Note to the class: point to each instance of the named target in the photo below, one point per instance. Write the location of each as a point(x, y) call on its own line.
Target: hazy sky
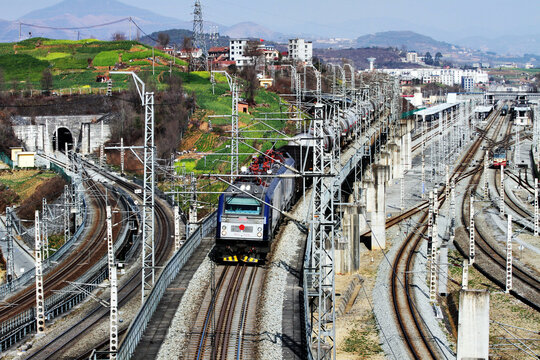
point(448, 19)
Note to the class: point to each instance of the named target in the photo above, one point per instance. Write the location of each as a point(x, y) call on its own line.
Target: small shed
point(266, 82)
point(243, 107)
point(26, 159)
point(14, 151)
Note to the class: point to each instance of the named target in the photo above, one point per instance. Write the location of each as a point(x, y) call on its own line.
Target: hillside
point(73, 64)
point(404, 39)
point(385, 57)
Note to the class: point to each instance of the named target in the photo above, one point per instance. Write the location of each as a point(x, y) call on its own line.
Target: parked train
point(250, 210)
point(499, 157)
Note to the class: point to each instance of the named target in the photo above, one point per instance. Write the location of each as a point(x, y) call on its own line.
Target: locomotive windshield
point(242, 205)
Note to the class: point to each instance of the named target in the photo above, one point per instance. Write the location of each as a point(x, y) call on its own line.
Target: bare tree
point(163, 39)
point(187, 47)
point(118, 36)
point(46, 80)
point(249, 74)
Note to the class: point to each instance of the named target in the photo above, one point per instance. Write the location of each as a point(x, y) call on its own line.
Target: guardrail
point(139, 323)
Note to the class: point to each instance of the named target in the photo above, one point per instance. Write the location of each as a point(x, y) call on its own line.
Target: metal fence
point(6, 159)
point(60, 171)
point(173, 267)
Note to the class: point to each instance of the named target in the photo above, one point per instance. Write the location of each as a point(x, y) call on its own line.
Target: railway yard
point(361, 240)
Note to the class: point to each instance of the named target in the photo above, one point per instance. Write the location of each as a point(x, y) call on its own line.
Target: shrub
point(50, 189)
point(8, 197)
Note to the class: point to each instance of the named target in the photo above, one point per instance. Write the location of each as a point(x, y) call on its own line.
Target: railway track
point(127, 291)
point(527, 284)
point(225, 325)
point(74, 265)
point(489, 253)
point(417, 337)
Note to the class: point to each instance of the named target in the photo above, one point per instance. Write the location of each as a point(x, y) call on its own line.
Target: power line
point(79, 27)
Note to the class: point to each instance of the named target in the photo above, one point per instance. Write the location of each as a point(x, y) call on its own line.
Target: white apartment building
point(301, 50)
point(237, 48)
point(444, 76)
point(412, 57)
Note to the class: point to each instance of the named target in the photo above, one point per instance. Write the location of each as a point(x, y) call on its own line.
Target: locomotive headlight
point(259, 229)
point(259, 234)
point(223, 233)
point(223, 227)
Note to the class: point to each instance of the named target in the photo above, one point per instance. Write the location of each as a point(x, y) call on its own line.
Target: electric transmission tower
point(199, 42)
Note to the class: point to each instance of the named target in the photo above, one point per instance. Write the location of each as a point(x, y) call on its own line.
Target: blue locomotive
point(249, 210)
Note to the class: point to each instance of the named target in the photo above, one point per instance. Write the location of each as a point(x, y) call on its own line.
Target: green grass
point(54, 56)
point(22, 67)
point(71, 62)
point(107, 58)
point(188, 164)
point(136, 55)
point(49, 42)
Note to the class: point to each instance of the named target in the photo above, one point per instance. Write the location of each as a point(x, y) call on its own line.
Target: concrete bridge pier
point(406, 143)
point(348, 252)
point(378, 217)
point(473, 325)
point(368, 185)
point(395, 153)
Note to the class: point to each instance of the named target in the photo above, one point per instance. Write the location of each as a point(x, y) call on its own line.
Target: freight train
point(251, 208)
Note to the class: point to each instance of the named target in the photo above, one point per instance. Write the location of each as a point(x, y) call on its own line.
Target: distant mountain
point(403, 39)
point(504, 45)
point(81, 13)
point(252, 30)
point(176, 36)
point(385, 57)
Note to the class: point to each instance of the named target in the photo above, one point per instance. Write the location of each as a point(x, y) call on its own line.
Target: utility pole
point(234, 129)
point(40, 296)
point(465, 275)
point(486, 167)
point(67, 212)
point(322, 266)
point(509, 255)
point(471, 230)
point(10, 263)
point(535, 206)
point(193, 204)
point(177, 239)
point(122, 154)
point(148, 260)
point(501, 203)
point(44, 228)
